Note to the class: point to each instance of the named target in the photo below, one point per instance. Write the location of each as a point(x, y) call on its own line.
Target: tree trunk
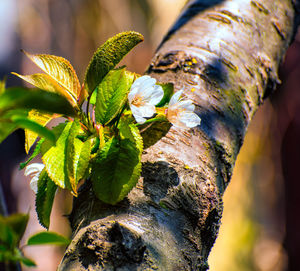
point(225, 55)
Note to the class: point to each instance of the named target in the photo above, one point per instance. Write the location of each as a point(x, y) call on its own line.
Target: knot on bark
point(110, 245)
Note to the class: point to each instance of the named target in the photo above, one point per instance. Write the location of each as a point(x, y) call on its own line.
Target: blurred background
point(261, 226)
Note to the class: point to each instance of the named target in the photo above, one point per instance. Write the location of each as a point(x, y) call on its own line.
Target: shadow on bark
point(158, 178)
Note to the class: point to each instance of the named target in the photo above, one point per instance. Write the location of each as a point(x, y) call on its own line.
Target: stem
point(87, 110)
point(3, 206)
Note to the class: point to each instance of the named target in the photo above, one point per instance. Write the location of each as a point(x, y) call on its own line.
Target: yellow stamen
point(138, 101)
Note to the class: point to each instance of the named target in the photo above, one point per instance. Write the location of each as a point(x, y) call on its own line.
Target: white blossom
point(34, 170)
point(143, 96)
point(181, 112)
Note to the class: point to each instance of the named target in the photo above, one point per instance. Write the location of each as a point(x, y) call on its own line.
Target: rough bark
point(225, 55)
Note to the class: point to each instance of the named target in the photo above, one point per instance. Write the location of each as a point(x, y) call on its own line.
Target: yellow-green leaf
point(46, 82)
point(59, 69)
point(72, 146)
point(108, 56)
point(82, 159)
point(77, 155)
point(42, 119)
point(55, 160)
point(35, 153)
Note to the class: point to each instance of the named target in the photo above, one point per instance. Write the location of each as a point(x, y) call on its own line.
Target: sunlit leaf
point(130, 131)
point(73, 146)
point(36, 152)
point(55, 160)
point(77, 155)
point(94, 94)
point(47, 238)
point(115, 170)
point(46, 82)
point(60, 70)
point(57, 130)
point(112, 95)
point(44, 198)
point(42, 119)
point(108, 56)
point(82, 159)
point(93, 97)
point(23, 98)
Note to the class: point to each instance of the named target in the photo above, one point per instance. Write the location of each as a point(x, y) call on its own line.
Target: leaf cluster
point(99, 139)
point(12, 229)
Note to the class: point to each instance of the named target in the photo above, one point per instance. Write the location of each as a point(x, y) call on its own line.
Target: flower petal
point(189, 119)
point(143, 82)
point(139, 119)
point(137, 114)
point(34, 184)
point(34, 168)
point(132, 93)
point(175, 98)
point(157, 95)
point(147, 110)
point(186, 105)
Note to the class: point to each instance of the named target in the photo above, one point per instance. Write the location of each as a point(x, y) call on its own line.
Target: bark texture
point(225, 55)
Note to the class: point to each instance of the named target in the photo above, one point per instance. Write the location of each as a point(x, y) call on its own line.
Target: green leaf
point(47, 238)
point(28, 262)
point(130, 131)
point(168, 92)
point(82, 159)
point(112, 95)
point(36, 151)
point(23, 98)
point(108, 56)
point(18, 223)
point(115, 170)
point(55, 160)
point(60, 70)
point(44, 198)
point(26, 123)
point(7, 236)
point(72, 148)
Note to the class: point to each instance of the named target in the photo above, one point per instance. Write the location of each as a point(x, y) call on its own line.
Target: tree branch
point(225, 55)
